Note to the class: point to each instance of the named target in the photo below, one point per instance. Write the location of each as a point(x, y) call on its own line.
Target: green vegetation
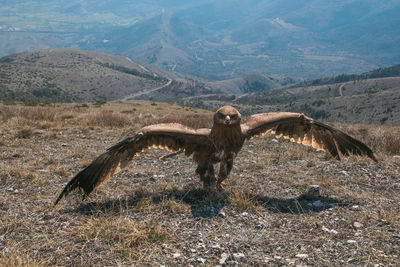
point(393, 71)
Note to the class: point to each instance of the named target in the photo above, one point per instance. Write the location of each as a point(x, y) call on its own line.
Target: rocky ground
point(156, 213)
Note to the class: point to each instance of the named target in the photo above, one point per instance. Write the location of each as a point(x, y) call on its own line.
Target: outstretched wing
point(170, 136)
point(305, 130)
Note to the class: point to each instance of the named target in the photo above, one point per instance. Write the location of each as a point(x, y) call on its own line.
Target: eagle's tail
point(93, 175)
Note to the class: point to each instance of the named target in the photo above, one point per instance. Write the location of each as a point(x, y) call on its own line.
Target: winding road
point(132, 96)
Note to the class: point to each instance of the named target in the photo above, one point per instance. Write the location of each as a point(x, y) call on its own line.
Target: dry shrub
point(38, 113)
point(7, 260)
point(120, 231)
point(388, 143)
point(173, 207)
point(108, 119)
point(22, 174)
point(385, 139)
point(25, 132)
point(244, 202)
point(195, 121)
point(29, 113)
point(7, 113)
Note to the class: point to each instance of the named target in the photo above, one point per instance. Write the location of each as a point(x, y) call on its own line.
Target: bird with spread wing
point(220, 144)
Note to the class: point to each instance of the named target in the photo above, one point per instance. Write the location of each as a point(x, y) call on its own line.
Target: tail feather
point(92, 176)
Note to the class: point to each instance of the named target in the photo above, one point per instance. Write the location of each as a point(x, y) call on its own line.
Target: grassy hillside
point(365, 100)
point(393, 71)
point(64, 75)
point(155, 212)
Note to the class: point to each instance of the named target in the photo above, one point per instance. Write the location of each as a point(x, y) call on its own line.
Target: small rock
point(302, 256)
point(358, 225)
point(275, 140)
point(64, 145)
point(244, 214)
point(224, 257)
point(332, 231)
point(176, 255)
point(201, 260)
point(350, 241)
point(351, 260)
point(192, 250)
point(355, 207)
point(238, 255)
point(314, 190)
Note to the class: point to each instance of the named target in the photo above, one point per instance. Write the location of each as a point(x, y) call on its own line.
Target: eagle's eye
point(234, 117)
point(220, 116)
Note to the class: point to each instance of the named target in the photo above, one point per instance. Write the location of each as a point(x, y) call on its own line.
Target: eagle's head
point(227, 116)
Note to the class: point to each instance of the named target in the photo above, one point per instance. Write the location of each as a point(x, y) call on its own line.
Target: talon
point(221, 185)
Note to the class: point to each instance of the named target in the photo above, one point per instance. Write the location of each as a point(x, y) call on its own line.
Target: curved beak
point(227, 120)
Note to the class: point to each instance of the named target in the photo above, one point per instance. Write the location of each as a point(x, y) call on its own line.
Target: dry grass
point(107, 118)
point(155, 212)
point(17, 261)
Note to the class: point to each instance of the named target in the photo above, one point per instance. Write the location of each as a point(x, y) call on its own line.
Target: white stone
point(238, 255)
point(201, 260)
point(302, 256)
point(332, 231)
point(358, 225)
point(224, 257)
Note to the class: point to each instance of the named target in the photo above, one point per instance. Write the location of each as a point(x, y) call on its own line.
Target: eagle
point(218, 145)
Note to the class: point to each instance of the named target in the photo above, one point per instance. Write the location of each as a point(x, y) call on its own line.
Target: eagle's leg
point(207, 176)
point(225, 168)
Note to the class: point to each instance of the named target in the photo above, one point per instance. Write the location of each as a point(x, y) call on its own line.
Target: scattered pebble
point(302, 256)
point(350, 241)
point(238, 255)
point(358, 225)
point(201, 260)
point(351, 260)
point(224, 257)
point(332, 231)
point(176, 255)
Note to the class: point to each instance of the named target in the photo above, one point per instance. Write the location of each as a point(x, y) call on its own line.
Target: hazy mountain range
point(217, 39)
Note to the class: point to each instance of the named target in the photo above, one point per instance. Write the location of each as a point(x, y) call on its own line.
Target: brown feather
point(305, 130)
point(219, 144)
point(173, 137)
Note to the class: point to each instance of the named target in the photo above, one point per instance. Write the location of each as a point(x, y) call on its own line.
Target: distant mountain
point(252, 83)
point(215, 39)
point(75, 76)
point(393, 71)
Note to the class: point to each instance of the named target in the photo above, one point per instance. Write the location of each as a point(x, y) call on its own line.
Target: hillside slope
point(75, 76)
point(369, 100)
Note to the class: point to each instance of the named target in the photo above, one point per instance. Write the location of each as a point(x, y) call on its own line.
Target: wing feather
point(302, 129)
point(170, 136)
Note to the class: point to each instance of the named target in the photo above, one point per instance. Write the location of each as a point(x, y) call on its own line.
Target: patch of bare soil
point(155, 212)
